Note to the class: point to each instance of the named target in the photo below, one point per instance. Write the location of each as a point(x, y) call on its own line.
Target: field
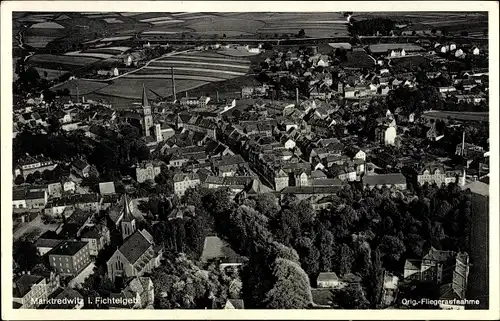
point(454, 23)
point(192, 70)
point(242, 25)
point(60, 61)
point(130, 88)
point(460, 116)
point(85, 87)
point(358, 59)
point(205, 65)
point(51, 73)
point(40, 37)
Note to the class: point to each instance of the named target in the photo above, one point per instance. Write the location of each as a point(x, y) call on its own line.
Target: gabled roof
point(385, 179)
point(235, 304)
point(127, 212)
point(23, 285)
point(136, 245)
point(327, 276)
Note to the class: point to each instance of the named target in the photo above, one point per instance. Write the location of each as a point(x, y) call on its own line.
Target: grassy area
point(227, 89)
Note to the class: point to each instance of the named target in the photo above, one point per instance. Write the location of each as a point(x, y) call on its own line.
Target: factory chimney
point(296, 97)
point(173, 84)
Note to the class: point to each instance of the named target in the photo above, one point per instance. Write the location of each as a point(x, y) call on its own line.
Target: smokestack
point(297, 97)
point(173, 84)
point(217, 96)
point(186, 94)
point(77, 94)
point(463, 143)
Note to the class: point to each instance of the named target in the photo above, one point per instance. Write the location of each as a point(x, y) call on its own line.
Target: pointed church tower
point(148, 118)
point(128, 221)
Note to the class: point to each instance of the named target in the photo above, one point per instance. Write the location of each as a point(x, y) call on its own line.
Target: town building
point(30, 291)
point(396, 180)
point(137, 255)
point(147, 171)
point(184, 181)
point(70, 257)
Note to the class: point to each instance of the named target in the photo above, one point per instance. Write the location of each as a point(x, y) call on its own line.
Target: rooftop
point(216, 248)
point(68, 248)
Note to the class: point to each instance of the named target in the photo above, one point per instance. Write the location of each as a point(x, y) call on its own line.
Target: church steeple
point(145, 102)
point(147, 121)
point(128, 220)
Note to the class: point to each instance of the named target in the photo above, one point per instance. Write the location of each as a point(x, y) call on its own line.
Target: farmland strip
point(167, 76)
point(201, 63)
point(201, 70)
point(213, 58)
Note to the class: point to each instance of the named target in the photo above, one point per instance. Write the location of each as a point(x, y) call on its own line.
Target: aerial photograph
point(250, 160)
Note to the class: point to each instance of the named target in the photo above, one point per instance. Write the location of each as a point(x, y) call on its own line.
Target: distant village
point(309, 131)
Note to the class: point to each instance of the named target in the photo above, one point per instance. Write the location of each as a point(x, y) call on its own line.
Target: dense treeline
point(363, 233)
point(370, 27)
point(113, 152)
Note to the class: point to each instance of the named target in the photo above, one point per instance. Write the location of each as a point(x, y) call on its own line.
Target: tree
point(392, 247)
point(346, 259)
point(25, 254)
point(19, 180)
point(309, 255)
point(267, 204)
point(352, 297)
point(291, 289)
point(376, 279)
point(326, 250)
point(301, 33)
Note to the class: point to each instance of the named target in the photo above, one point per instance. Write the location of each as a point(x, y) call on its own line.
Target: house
point(433, 265)
point(83, 169)
point(184, 181)
point(107, 188)
point(437, 174)
point(329, 280)
point(19, 198)
point(396, 180)
point(67, 186)
point(29, 165)
point(137, 255)
point(138, 294)
point(86, 202)
point(30, 291)
point(305, 192)
point(218, 250)
point(475, 51)
point(355, 153)
point(68, 299)
point(70, 257)
point(234, 304)
point(194, 102)
point(396, 53)
point(45, 245)
point(147, 171)
point(36, 199)
point(386, 134)
point(97, 236)
point(347, 173)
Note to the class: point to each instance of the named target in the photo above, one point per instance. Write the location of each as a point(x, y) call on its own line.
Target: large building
point(184, 181)
point(70, 257)
point(137, 255)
